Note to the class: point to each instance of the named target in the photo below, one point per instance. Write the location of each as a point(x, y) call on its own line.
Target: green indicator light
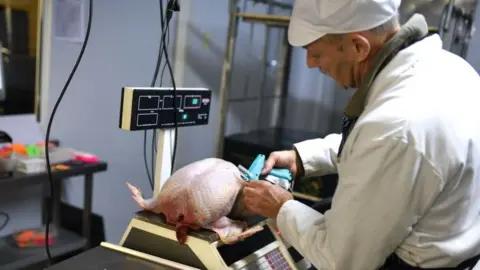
point(184, 117)
point(195, 101)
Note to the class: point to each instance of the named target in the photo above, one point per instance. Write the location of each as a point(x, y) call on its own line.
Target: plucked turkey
point(204, 194)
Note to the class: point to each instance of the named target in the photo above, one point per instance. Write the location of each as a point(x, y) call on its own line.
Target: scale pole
point(163, 163)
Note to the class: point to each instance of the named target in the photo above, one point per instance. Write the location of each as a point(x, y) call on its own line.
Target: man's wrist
point(299, 164)
point(284, 201)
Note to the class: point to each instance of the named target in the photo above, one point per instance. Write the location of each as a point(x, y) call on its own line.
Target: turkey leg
point(231, 231)
point(147, 204)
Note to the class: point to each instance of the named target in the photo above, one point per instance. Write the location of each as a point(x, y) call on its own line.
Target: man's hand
point(283, 159)
point(264, 198)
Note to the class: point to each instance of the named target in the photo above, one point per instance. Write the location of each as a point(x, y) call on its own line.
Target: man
point(408, 159)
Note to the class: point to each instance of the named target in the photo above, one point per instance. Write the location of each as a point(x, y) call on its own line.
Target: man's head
point(341, 36)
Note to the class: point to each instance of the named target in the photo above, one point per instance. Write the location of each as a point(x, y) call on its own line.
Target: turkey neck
point(239, 210)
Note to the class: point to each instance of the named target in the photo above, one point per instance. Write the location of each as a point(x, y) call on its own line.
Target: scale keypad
point(274, 260)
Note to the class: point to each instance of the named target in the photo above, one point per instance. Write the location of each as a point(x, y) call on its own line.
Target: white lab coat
point(409, 173)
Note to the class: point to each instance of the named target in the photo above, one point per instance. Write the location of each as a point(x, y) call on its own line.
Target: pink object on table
point(87, 158)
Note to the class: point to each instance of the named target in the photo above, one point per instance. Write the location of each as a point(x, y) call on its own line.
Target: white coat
point(409, 173)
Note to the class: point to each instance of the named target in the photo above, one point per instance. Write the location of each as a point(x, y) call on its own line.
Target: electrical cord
point(151, 177)
point(161, 77)
point(145, 158)
point(171, 7)
point(160, 48)
point(47, 139)
point(165, 65)
point(154, 135)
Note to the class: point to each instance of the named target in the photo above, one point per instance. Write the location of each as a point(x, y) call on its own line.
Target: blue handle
point(281, 173)
point(256, 168)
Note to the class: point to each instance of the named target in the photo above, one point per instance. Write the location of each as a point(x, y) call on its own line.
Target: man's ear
point(360, 47)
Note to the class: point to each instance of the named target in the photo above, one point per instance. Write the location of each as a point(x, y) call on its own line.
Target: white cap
point(312, 19)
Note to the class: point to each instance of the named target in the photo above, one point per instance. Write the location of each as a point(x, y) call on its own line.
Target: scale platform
point(159, 220)
point(150, 234)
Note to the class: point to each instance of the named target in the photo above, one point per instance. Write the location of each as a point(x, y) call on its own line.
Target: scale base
point(150, 234)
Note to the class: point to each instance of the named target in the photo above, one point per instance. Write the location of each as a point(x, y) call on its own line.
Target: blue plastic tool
point(278, 176)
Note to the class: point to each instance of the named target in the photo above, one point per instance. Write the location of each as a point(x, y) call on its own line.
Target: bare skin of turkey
point(204, 194)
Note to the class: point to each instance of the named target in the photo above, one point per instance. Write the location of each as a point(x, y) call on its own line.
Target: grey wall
point(122, 51)
point(203, 58)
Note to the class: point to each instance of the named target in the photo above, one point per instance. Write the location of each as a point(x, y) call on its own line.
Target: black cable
point(161, 77)
point(47, 139)
point(165, 65)
point(162, 22)
point(145, 158)
point(161, 81)
point(5, 222)
point(171, 7)
point(154, 138)
point(160, 53)
point(160, 48)
point(151, 178)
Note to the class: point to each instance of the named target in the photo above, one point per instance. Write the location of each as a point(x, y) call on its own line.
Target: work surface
point(101, 258)
point(18, 179)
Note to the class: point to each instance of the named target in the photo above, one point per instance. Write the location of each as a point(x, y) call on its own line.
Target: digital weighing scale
point(150, 234)
point(149, 242)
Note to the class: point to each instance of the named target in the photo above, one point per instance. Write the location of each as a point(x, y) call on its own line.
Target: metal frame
point(280, 89)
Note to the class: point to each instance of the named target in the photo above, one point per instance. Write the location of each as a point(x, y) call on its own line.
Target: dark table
point(101, 258)
point(12, 257)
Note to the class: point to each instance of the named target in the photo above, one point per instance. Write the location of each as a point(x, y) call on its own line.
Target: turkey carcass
point(204, 194)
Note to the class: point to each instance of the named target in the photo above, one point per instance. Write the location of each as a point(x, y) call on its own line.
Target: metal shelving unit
point(13, 257)
point(270, 21)
point(452, 20)
point(266, 134)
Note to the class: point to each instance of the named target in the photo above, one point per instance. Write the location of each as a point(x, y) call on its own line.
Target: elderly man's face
point(339, 57)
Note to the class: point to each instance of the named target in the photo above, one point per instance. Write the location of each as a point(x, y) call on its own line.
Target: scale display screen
point(152, 108)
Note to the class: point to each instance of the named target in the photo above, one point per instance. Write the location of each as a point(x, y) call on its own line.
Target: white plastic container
point(58, 155)
point(30, 165)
